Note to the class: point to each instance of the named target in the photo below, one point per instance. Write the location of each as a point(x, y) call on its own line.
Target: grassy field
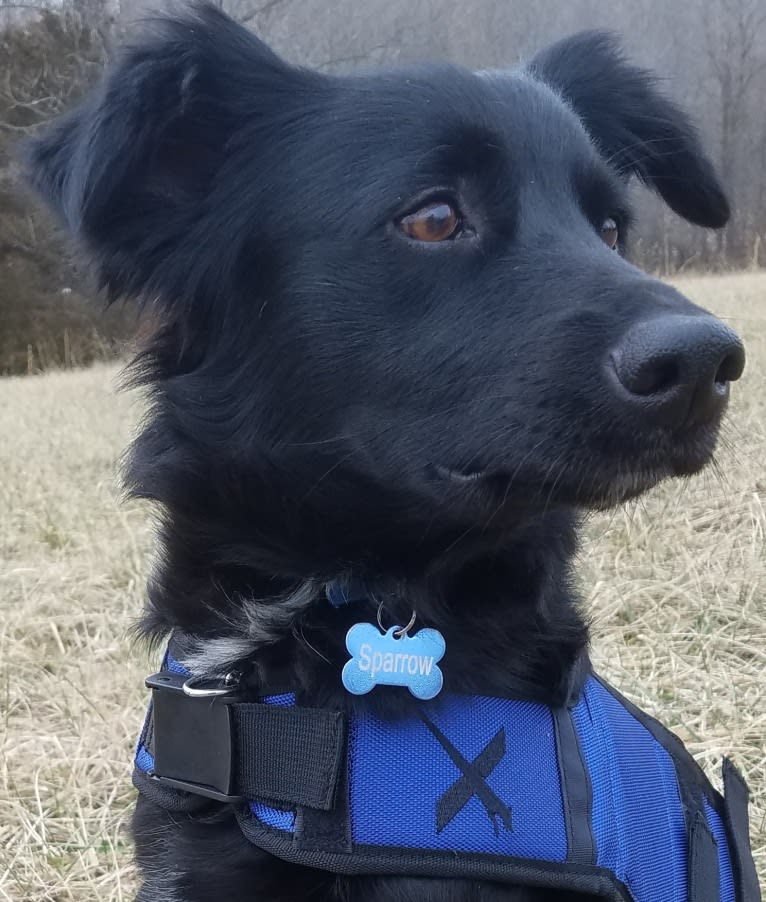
point(676, 585)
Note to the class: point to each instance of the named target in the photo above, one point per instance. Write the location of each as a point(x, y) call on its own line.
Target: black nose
point(675, 370)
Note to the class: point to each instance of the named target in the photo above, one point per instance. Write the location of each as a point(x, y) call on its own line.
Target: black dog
point(396, 343)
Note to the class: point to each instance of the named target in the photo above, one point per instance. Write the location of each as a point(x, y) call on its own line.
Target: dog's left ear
point(637, 129)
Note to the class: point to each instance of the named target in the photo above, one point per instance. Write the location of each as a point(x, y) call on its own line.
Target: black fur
point(319, 381)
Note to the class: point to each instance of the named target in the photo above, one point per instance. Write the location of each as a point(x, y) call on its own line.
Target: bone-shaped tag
point(381, 658)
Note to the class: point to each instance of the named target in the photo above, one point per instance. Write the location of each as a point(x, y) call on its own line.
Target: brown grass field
point(676, 584)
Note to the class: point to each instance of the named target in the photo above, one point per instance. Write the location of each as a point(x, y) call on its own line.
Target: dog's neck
point(506, 610)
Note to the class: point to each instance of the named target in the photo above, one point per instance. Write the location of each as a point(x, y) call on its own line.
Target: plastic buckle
point(192, 737)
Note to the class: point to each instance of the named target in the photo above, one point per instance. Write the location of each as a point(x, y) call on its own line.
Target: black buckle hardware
point(192, 737)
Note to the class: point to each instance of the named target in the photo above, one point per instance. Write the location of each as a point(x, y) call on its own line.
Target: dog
point(396, 352)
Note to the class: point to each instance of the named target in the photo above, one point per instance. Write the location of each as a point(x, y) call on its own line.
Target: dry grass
point(677, 584)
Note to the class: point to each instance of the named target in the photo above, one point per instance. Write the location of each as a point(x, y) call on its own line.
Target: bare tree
point(54, 56)
point(735, 42)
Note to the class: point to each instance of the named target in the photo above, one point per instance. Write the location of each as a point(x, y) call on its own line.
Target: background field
point(676, 584)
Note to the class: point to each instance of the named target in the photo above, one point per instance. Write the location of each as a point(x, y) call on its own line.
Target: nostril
point(646, 375)
point(655, 376)
point(720, 377)
point(731, 367)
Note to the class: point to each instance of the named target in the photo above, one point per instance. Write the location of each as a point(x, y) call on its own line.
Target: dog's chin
point(596, 484)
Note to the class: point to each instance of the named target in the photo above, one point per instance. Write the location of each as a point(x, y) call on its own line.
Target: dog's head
point(394, 295)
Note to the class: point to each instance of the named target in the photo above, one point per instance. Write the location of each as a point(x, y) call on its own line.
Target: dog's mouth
point(594, 490)
point(460, 477)
point(590, 482)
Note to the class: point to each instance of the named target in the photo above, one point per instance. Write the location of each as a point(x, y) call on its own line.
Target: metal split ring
point(230, 682)
point(402, 631)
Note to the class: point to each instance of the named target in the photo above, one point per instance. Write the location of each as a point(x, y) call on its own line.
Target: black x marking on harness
point(473, 782)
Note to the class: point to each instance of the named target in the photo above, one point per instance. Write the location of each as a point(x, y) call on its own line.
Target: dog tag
point(383, 659)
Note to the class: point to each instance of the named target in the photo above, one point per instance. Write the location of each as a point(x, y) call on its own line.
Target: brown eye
point(610, 233)
point(435, 222)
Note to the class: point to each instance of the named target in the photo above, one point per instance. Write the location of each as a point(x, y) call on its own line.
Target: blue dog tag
point(381, 658)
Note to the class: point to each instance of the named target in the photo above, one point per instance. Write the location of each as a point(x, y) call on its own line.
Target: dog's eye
point(437, 221)
point(610, 232)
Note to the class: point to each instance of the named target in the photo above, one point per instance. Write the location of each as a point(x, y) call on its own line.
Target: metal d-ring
point(402, 631)
point(230, 684)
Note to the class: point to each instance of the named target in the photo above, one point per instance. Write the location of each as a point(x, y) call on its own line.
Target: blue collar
point(345, 591)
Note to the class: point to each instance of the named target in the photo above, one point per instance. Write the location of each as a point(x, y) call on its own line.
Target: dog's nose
point(675, 370)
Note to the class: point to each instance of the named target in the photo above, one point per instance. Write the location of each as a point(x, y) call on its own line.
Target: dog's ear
point(637, 129)
point(130, 171)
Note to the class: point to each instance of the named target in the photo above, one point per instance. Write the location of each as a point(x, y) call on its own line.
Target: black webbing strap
point(288, 755)
point(216, 747)
point(704, 877)
point(736, 798)
point(576, 789)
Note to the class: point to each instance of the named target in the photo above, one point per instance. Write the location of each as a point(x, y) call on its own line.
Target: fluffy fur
point(331, 399)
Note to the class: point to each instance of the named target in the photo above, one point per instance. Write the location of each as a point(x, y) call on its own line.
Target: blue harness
point(596, 797)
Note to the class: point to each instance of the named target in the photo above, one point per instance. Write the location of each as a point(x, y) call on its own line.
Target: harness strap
point(704, 876)
point(220, 749)
point(736, 797)
point(288, 755)
point(576, 788)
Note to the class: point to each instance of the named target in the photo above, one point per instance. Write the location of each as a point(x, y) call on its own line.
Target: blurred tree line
point(711, 55)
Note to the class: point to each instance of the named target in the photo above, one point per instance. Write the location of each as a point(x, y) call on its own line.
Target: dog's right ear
point(130, 170)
